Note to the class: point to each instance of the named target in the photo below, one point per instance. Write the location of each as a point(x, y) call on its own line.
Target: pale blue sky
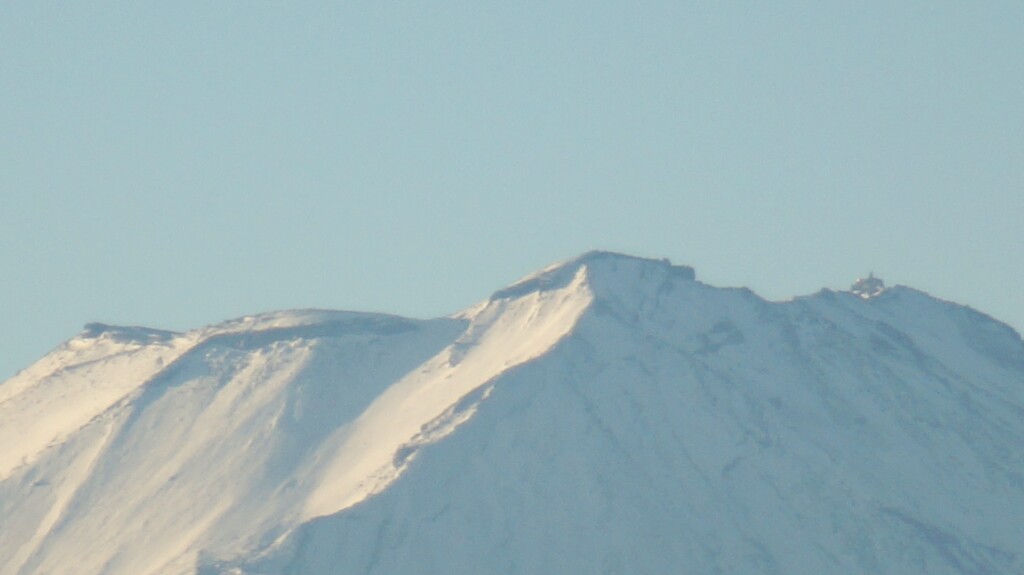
point(176, 164)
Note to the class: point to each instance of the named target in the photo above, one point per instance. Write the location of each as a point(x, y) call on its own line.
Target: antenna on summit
point(868, 287)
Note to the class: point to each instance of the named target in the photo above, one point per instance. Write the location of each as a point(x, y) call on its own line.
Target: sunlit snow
point(607, 414)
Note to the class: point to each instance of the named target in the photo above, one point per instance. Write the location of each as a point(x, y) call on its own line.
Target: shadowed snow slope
point(606, 415)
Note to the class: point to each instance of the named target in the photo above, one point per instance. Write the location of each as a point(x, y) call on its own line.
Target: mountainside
point(608, 414)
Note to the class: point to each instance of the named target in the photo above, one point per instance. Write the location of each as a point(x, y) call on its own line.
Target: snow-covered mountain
point(608, 414)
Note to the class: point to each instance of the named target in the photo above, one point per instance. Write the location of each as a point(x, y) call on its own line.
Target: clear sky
point(175, 164)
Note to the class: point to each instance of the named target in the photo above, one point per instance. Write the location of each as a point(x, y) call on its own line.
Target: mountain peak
point(841, 435)
point(604, 270)
point(125, 334)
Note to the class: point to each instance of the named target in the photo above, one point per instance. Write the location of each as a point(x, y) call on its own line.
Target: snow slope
point(608, 414)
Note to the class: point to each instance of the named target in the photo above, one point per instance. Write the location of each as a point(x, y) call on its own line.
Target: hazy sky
point(175, 164)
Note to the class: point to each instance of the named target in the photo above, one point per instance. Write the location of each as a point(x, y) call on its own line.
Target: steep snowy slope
point(606, 415)
point(76, 382)
point(217, 447)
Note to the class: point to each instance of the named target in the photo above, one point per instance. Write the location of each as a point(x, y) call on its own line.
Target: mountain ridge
point(696, 424)
point(547, 278)
point(932, 543)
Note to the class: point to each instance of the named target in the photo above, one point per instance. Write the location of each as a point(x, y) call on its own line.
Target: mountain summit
point(608, 414)
point(604, 270)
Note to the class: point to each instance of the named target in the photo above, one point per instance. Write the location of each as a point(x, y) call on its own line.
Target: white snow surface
point(608, 414)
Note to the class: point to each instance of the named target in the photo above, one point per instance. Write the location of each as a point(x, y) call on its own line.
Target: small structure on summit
point(868, 287)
